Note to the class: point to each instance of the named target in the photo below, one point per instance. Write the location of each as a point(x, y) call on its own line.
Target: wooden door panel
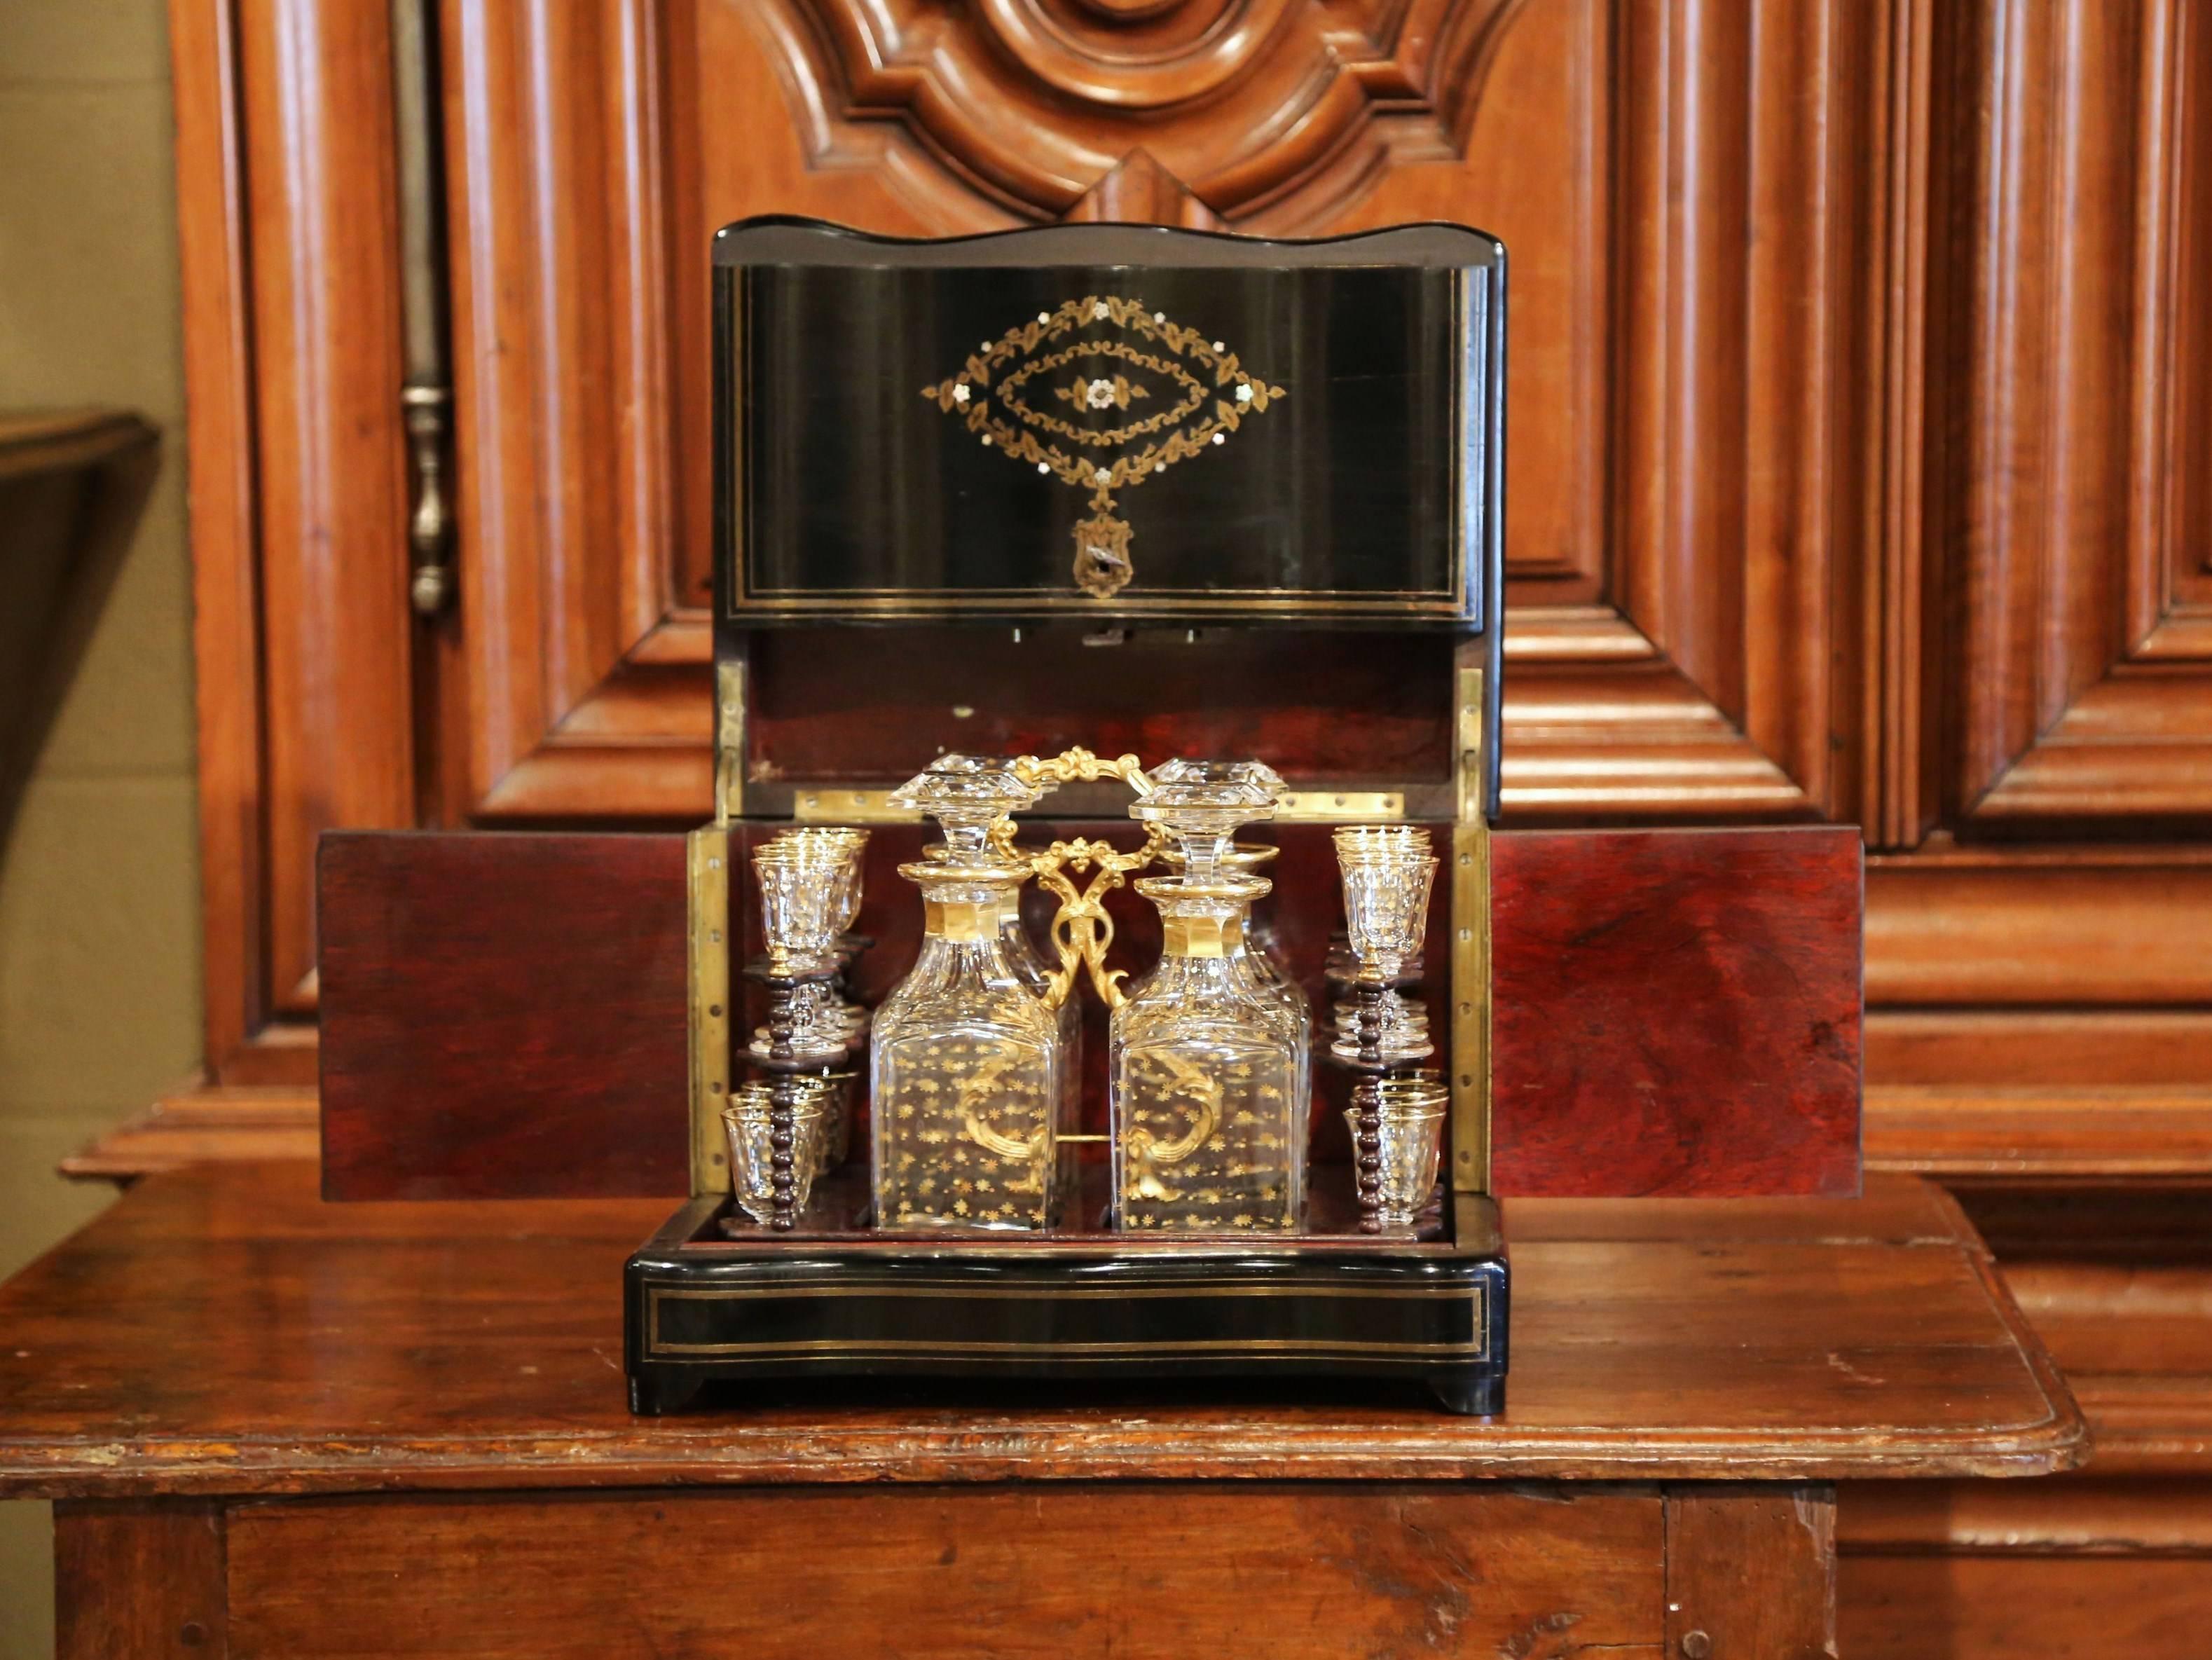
point(2078, 493)
point(1689, 400)
point(304, 640)
point(332, 474)
point(560, 282)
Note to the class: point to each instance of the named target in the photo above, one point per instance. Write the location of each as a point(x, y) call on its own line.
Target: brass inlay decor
point(707, 854)
point(1164, 396)
point(1469, 1076)
point(1475, 1297)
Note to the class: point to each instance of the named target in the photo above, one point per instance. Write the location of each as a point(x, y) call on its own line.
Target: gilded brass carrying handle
point(1079, 764)
point(1081, 930)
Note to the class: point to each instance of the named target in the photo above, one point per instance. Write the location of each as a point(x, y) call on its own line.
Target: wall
point(100, 992)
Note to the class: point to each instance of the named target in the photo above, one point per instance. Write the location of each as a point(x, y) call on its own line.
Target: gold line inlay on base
point(1475, 1348)
point(954, 1289)
point(1284, 1348)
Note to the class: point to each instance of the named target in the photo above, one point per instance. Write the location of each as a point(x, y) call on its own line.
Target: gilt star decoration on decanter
point(966, 1059)
point(1208, 1058)
point(1035, 973)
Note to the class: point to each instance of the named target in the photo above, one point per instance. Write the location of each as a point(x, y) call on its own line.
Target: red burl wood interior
point(1676, 1011)
point(504, 1015)
point(858, 706)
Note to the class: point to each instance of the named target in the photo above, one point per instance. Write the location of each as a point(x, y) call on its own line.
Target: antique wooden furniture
point(71, 484)
point(305, 1429)
point(1861, 481)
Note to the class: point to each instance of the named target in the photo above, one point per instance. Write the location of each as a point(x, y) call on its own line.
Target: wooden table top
point(223, 1331)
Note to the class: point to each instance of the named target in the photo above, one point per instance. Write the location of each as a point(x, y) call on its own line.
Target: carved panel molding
point(1692, 404)
point(1285, 108)
point(2076, 496)
point(1718, 664)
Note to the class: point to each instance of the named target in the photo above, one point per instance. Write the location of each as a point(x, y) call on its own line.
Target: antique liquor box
point(1102, 963)
point(1086, 492)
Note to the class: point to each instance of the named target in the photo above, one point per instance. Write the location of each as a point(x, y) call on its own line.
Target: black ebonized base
point(706, 1304)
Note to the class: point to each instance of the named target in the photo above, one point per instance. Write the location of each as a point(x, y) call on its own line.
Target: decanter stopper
point(966, 795)
point(1202, 804)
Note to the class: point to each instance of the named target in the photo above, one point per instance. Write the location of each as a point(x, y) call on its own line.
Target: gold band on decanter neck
point(964, 920)
point(1200, 936)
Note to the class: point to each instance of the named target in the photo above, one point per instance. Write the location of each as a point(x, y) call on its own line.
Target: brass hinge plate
point(840, 806)
point(1340, 807)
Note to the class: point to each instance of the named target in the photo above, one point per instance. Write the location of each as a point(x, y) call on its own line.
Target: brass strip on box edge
point(707, 896)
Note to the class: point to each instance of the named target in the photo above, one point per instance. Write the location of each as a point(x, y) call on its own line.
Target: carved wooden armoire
point(1861, 472)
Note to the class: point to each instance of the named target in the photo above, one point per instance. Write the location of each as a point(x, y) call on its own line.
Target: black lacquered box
point(1116, 489)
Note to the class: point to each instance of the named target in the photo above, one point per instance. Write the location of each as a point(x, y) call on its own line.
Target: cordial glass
point(749, 1121)
point(850, 845)
point(801, 904)
point(1386, 902)
point(1409, 1114)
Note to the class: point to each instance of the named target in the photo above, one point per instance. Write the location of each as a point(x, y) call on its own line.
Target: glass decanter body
point(966, 1069)
point(1253, 949)
point(1028, 962)
point(1207, 1077)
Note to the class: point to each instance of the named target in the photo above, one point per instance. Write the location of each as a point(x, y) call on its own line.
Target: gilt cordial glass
point(804, 883)
point(825, 1021)
point(1388, 871)
point(749, 1121)
point(1407, 1134)
point(801, 889)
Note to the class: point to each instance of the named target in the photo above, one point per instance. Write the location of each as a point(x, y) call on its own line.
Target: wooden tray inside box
point(712, 1303)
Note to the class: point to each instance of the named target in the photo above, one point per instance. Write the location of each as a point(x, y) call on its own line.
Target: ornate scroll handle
point(1082, 931)
point(1147, 1152)
point(1079, 763)
point(1030, 1150)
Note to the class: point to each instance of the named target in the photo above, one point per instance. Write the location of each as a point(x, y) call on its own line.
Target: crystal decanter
point(1036, 974)
point(965, 1060)
point(1208, 1059)
point(1257, 950)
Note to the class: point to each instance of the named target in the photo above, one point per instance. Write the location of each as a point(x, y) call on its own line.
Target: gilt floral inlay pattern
point(1165, 392)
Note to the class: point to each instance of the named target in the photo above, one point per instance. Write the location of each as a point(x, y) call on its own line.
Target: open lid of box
point(1242, 460)
point(1119, 422)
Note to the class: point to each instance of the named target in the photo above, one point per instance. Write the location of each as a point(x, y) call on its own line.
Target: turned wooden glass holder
point(783, 1063)
point(1366, 1149)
